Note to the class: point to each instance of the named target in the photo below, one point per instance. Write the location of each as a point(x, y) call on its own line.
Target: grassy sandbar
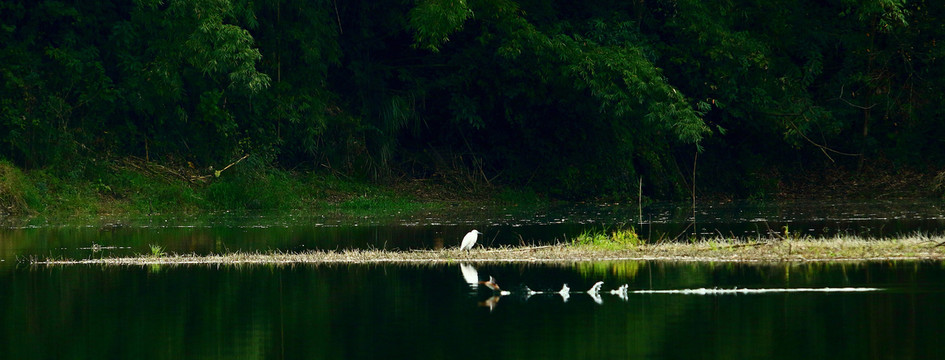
point(915, 247)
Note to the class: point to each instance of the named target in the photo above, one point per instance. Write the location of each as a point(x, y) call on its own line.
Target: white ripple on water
point(735, 291)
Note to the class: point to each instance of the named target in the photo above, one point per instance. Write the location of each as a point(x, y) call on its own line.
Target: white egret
point(469, 240)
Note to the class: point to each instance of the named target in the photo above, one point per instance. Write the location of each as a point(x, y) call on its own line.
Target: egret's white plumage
point(469, 240)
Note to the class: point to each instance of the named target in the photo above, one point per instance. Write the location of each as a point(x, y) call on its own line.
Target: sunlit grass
point(157, 250)
point(609, 240)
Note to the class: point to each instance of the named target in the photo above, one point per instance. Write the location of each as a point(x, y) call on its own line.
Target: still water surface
point(366, 312)
point(230, 232)
point(671, 310)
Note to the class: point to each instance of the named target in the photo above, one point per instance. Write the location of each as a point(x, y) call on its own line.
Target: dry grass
point(917, 247)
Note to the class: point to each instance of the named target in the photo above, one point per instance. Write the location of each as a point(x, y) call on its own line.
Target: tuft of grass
point(613, 240)
point(157, 251)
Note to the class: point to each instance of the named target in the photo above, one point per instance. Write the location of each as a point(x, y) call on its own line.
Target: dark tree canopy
point(574, 98)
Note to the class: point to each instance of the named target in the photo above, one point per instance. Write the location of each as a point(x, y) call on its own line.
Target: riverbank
point(133, 187)
point(915, 247)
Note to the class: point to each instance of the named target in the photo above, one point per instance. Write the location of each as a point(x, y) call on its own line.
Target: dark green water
point(24, 238)
point(365, 312)
point(430, 311)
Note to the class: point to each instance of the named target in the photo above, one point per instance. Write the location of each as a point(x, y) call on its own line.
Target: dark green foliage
point(569, 98)
point(434, 20)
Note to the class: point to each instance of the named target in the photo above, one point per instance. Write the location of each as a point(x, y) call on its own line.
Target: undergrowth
point(132, 188)
point(17, 192)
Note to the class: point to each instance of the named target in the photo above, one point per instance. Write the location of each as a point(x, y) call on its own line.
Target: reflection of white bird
point(622, 289)
point(621, 292)
point(529, 292)
point(594, 292)
point(469, 240)
point(470, 275)
point(565, 293)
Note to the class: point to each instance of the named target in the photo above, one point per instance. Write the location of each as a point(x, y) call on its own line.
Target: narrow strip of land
point(718, 250)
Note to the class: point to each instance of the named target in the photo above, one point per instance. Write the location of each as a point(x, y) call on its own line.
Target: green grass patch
point(134, 187)
point(357, 198)
point(379, 203)
point(18, 194)
point(272, 190)
point(609, 240)
point(157, 250)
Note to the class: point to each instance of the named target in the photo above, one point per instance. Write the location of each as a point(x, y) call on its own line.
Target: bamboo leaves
point(434, 20)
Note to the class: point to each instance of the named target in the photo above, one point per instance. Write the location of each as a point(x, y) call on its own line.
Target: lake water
point(502, 226)
point(366, 312)
point(670, 310)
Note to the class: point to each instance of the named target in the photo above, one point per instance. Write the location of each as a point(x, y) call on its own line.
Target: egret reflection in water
point(621, 292)
point(594, 292)
point(471, 276)
point(565, 292)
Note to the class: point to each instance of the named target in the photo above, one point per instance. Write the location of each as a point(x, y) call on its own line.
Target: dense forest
point(576, 99)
